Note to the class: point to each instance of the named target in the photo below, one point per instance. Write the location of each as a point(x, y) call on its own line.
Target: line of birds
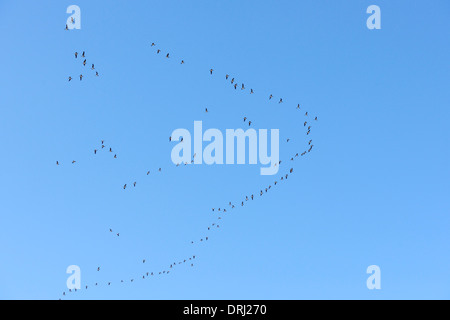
point(95, 152)
point(83, 55)
point(143, 276)
point(233, 82)
point(231, 205)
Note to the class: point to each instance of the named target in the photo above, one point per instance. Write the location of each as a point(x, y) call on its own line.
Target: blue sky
point(374, 190)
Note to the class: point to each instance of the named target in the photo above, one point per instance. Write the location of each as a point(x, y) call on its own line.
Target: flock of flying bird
point(220, 211)
point(83, 56)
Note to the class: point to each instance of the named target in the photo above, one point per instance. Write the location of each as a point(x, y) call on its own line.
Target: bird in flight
point(211, 71)
point(76, 55)
point(124, 186)
point(70, 78)
point(153, 44)
point(167, 56)
point(270, 97)
point(81, 77)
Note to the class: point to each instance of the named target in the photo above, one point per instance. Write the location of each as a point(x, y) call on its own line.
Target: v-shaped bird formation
point(220, 213)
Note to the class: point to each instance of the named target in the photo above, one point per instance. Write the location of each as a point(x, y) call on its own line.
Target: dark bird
point(70, 78)
point(96, 73)
point(76, 55)
point(95, 151)
point(226, 77)
point(182, 61)
point(84, 62)
point(281, 100)
point(153, 44)
point(57, 163)
point(251, 91)
point(167, 56)
point(81, 77)
point(125, 186)
point(82, 55)
point(92, 68)
point(211, 71)
point(270, 97)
